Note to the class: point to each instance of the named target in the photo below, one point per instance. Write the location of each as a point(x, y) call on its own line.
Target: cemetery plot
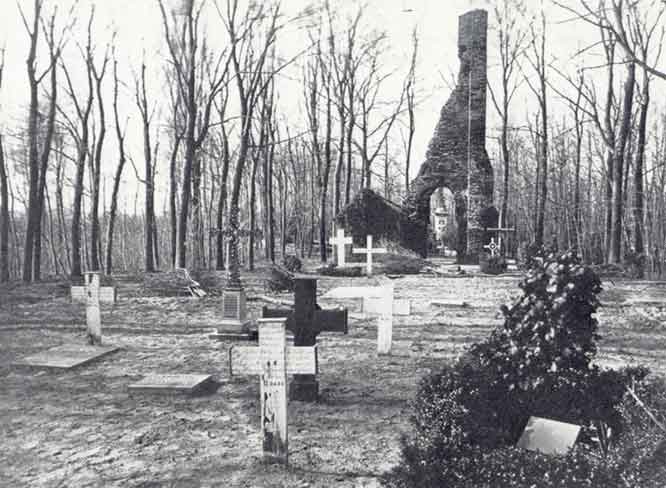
point(85, 430)
point(188, 384)
point(67, 356)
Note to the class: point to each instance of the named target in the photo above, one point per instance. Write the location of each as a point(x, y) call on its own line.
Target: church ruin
point(456, 159)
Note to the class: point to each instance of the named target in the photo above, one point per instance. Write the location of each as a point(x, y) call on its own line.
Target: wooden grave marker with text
point(306, 321)
point(273, 360)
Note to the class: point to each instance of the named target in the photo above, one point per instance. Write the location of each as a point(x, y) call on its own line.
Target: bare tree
point(199, 79)
point(537, 59)
point(4, 198)
point(80, 133)
point(120, 136)
point(410, 96)
point(511, 38)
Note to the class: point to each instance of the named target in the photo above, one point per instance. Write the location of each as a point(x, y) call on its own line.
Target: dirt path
point(82, 428)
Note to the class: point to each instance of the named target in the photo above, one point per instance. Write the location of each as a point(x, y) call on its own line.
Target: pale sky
point(139, 26)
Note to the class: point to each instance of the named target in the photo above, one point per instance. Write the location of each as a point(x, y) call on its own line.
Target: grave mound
point(469, 417)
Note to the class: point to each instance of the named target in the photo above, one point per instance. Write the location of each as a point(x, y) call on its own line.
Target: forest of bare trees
point(578, 145)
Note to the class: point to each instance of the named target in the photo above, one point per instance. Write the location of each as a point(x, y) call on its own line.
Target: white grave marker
point(273, 360)
point(548, 436)
point(376, 300)
point(340, 241)
point(369, 251)
point(107, 294)
point(93, 315)
point(493, 247)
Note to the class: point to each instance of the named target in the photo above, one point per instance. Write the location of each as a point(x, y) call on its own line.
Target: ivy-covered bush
point(468, 416)
point(348, 271)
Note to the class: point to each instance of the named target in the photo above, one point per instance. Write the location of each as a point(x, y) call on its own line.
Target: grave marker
point(493, 247)
point(369, 251)
point(188, 384)
point(107, 294)
point(273, 360)
point(93, 314)
point(377, 300)
point(340, 242)
point(548, 436)
point(306, 322)
point(66, 356)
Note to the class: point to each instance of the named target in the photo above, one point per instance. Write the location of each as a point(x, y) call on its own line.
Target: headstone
point(234, 314)
point(306, 321)
point(67, 356)
point(340, 241)
point(107, 294)
point(548, 436)
point(93, 314)
point(369, 251)
point(188, 384)
point(273, 360)
point(493, 247)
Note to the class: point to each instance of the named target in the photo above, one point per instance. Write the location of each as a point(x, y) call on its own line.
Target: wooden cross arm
point(331, 321)
point(246, 360)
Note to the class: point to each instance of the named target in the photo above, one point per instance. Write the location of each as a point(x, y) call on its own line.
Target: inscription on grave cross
point(273, 360)
point(369, 251)
point(306, 321)
point(340, 241)
point(93, 315)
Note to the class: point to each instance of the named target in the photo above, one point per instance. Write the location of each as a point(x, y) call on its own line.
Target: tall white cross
point(340, 241)
point(93, 315)
point(493, 247)
point(273, 360)
point(369, 251)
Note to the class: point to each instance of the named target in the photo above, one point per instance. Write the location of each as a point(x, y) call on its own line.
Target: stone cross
point(93, 315)
point(369, 251)
point(273, 360)
point(340, 241)
point(306, 320)
point(501, 230)
point(493, 247)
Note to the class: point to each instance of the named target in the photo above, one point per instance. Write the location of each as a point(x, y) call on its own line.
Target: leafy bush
point(467, 416)
point(393, 263)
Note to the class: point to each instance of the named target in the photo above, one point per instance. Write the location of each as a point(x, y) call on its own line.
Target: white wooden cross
point(493, 247)
point(273, 360)
point(369, 251)
point(93, 315)
point(377, 300)
point(340, 241)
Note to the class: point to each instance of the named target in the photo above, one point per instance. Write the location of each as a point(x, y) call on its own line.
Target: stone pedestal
point(234, 311)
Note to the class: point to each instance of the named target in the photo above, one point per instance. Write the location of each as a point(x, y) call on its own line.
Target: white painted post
point(385, 322)
point(93, 315)
point(273, 391)
point(340, 241)
point(369, 251)
point(273, 360)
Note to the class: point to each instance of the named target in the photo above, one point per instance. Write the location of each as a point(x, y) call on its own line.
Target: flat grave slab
point(186, 384)
point(66, 356)
point(548, 436)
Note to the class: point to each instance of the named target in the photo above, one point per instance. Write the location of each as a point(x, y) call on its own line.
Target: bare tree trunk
point(614, 255)
point(4, 216)
point(639, 203)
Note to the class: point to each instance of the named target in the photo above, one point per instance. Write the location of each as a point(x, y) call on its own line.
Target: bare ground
point(82, 428)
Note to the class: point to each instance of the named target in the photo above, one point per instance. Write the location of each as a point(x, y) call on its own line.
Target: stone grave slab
point(548, 436)
point(187, 384)
point(66, 356)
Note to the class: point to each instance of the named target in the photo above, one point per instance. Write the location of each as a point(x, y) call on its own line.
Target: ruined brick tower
point(459, 144)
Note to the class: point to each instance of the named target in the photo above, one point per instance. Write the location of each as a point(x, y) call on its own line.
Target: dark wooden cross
point(306, 320)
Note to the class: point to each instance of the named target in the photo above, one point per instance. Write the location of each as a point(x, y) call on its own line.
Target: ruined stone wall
point(459, 142)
